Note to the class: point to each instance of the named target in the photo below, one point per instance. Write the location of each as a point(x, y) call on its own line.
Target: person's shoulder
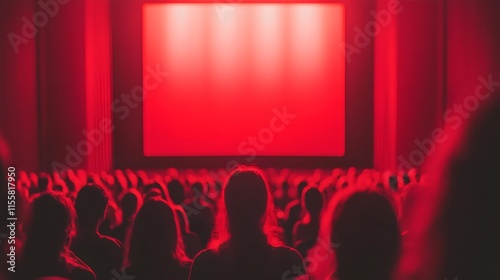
point(282, 249)
point(285, 252)
point(80, 273)
point(291, 263)
point(206, 254)
point(299, 226)
point(204, 265)
point(78, 270)
point(208, 258)
point(292, 204)
point(112, 247)
point(110, 241)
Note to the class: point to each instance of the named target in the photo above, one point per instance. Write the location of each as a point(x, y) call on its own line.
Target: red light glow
point(233, 70)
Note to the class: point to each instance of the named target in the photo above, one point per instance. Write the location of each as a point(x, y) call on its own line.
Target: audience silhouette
point(245, 243)
point(365, 235)
point(293, 212)
point(155, 248)
point(45, 250)
point(102, 253)
point(200, 212)
point(130, 202)
point(346, 224)
point(306, 230)
point(454, 228)
point(177, 196)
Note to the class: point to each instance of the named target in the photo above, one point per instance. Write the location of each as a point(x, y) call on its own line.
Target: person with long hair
point(155, 249)
point(45, 251)
point(361, 227)
point(246, 243)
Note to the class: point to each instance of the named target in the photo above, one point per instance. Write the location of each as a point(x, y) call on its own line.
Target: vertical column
point(385, 94)
point(98, 84)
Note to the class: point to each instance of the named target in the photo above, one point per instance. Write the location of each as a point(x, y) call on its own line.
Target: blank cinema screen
point(243, 79)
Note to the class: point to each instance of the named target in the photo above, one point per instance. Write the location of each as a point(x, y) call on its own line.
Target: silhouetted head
point(91, 203)
point(393, 182)
point(312, 201)
point(406, 179)
point(51, 221)
point(176, 191)
point(155, 238)
point(44, 182)
point(156, 187)
point(245, 198)
point(246, 211)
point(130, 203)
point(198, 188)
point(285, 186)
point(201, 193)
point(300, 188)
point(364, 227)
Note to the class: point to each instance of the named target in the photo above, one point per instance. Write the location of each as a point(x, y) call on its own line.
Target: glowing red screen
point(244, 79)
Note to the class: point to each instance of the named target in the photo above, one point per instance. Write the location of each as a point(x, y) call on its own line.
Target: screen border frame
point(126, 20)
